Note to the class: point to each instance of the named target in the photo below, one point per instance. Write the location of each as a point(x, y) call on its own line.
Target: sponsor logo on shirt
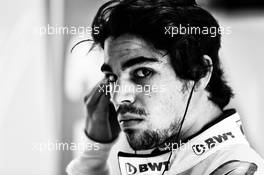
point(148, 167)
point(211, 142)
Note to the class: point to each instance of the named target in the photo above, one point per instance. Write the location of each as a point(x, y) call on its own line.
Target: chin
point(142, 140)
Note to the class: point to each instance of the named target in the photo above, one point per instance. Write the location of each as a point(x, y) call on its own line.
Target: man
point(179, 126)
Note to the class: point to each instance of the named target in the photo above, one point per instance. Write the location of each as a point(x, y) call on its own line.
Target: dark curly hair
point(147, 19)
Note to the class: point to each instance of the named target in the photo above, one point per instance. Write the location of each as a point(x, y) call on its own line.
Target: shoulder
point(236, 160)
point(236, 167)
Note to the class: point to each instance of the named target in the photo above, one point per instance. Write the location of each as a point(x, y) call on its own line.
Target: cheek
point(163, 108)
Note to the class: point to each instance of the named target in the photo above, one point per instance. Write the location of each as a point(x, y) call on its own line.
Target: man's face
point(148, 96)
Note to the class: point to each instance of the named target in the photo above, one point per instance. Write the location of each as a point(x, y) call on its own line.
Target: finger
point(104, 100)
point(94, 89)
point(101, 109)
point(115, 128)
point(95, 94)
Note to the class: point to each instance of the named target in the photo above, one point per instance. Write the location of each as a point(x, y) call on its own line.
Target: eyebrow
point(132, 62)
point(137, 60)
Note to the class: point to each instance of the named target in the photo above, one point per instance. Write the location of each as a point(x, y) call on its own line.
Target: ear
point(203, 82)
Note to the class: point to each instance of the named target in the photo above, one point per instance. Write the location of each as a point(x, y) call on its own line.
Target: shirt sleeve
point(91, 162)
point(238, 160)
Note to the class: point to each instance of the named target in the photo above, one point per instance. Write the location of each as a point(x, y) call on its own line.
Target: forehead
point(129, 46)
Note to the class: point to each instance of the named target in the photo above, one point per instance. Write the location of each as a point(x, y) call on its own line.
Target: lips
point(129, 120)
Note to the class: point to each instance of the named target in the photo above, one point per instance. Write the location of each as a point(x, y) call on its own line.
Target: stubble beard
point(148, 139)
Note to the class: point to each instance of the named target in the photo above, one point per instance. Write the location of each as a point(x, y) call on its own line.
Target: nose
point(123, 93)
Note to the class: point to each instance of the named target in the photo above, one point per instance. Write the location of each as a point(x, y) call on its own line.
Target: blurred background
point(43, 83)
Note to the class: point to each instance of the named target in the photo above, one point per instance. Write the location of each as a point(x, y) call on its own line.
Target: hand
point(101, 122)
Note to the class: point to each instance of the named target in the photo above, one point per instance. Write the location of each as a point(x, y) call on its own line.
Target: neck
point(201, 112)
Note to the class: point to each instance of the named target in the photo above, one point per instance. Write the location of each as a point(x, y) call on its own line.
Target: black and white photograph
point(132, 87)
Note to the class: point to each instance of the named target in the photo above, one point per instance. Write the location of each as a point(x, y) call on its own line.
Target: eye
point(142, 73)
